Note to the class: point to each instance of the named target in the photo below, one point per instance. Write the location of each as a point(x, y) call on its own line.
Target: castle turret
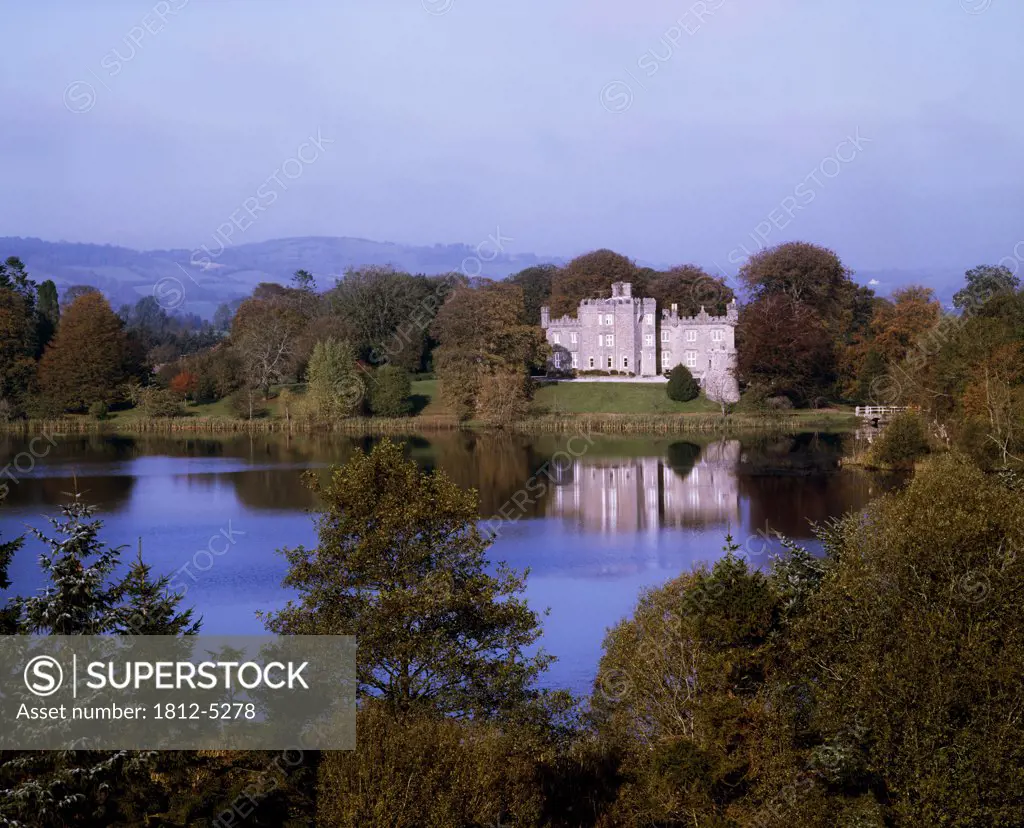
point(545, 316)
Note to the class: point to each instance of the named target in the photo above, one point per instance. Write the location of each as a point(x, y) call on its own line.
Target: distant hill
point(125, 275)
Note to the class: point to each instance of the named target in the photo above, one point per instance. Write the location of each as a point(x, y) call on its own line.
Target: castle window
point(625, 362)
point(600, 340)
point(556, 339)
point(608, 319)
point(574, 338)
point(648, 340)
point(666, 358)
point(691, 336)
point(610, 340)
point(575, 360)
point(610, 362)
point(600, 319)
point(664, 336)
point(649, 319)
point(691, 359)
point(591, 362)
point(716, 335)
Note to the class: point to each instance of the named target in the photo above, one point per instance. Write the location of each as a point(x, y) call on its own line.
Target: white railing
point(879, 410)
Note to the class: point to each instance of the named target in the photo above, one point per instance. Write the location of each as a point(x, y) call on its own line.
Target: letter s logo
point(43, 675)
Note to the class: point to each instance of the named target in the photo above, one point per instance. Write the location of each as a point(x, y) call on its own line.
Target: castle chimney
point(675, 309)
point(545, 316)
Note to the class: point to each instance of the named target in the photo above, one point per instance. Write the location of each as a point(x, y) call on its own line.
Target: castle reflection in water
point(691, 488)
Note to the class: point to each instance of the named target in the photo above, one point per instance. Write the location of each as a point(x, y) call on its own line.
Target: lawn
point(612, 398)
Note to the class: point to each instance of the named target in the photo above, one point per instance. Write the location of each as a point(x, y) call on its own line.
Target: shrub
point(430, 771)
point(902, 441)
point(391, 392)
point(98, 410)
point(780, 403)
point(7, 410)
point(682, 387)
point(158, 402)
point(504, 397)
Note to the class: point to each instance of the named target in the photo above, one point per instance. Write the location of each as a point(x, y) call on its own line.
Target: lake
point(596, 519)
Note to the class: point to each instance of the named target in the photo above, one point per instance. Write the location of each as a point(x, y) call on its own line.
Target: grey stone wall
point(624, 334)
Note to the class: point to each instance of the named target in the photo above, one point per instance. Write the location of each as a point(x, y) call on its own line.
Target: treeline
point(877, 685)
point(808, 336)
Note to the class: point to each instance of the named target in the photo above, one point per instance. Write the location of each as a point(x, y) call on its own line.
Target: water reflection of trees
point(790, 482)
point(611, 486)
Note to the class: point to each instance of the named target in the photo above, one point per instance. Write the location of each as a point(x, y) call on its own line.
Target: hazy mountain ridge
point(124, 274)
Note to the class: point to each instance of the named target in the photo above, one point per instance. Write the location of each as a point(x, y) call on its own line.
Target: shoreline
point(633, 424)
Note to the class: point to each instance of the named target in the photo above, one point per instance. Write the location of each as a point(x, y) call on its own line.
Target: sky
point(670, 131)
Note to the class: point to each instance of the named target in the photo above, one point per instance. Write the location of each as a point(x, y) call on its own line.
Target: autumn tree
point(184, 385)
point(590, 276)
point(481, 334)
point(691, 288)
point(810, 275)
point(785, 349)
point(85, 363)
point(401, 564)
point(899, 325)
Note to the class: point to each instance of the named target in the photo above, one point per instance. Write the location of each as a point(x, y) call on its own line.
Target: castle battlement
point(624, 334)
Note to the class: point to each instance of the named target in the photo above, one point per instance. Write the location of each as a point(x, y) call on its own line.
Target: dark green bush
point(682, 387)
point(902, 441)
point(98, 410)
point(390, 392)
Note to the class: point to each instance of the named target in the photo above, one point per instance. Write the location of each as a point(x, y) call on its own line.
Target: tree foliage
point(590, 276)
point(785, 349)
point(401, 564)
point(334, 385)
point(682, 387)
point(390, 392)
point(85, 362)
point(483, 341)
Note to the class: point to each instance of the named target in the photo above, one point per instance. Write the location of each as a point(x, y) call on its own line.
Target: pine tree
point(80, 597)
point(149, 607)
point(83, 597)
point(8, 614)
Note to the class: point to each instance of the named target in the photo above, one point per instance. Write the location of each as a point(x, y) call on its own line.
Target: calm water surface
point(597, 526)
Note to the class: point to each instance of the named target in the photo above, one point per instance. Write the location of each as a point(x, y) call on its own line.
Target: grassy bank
point(557, 408)
point(556, 398)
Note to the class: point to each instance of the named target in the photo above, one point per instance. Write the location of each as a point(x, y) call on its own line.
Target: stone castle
point(624, 335)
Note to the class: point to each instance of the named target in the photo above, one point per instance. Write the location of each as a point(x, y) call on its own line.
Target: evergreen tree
point(149, 607)
point(401, 564)
point(47, 312)
point(8, 614)
point(682, 387)
point(391, 392)
point(83, 597)
point(80, 597)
